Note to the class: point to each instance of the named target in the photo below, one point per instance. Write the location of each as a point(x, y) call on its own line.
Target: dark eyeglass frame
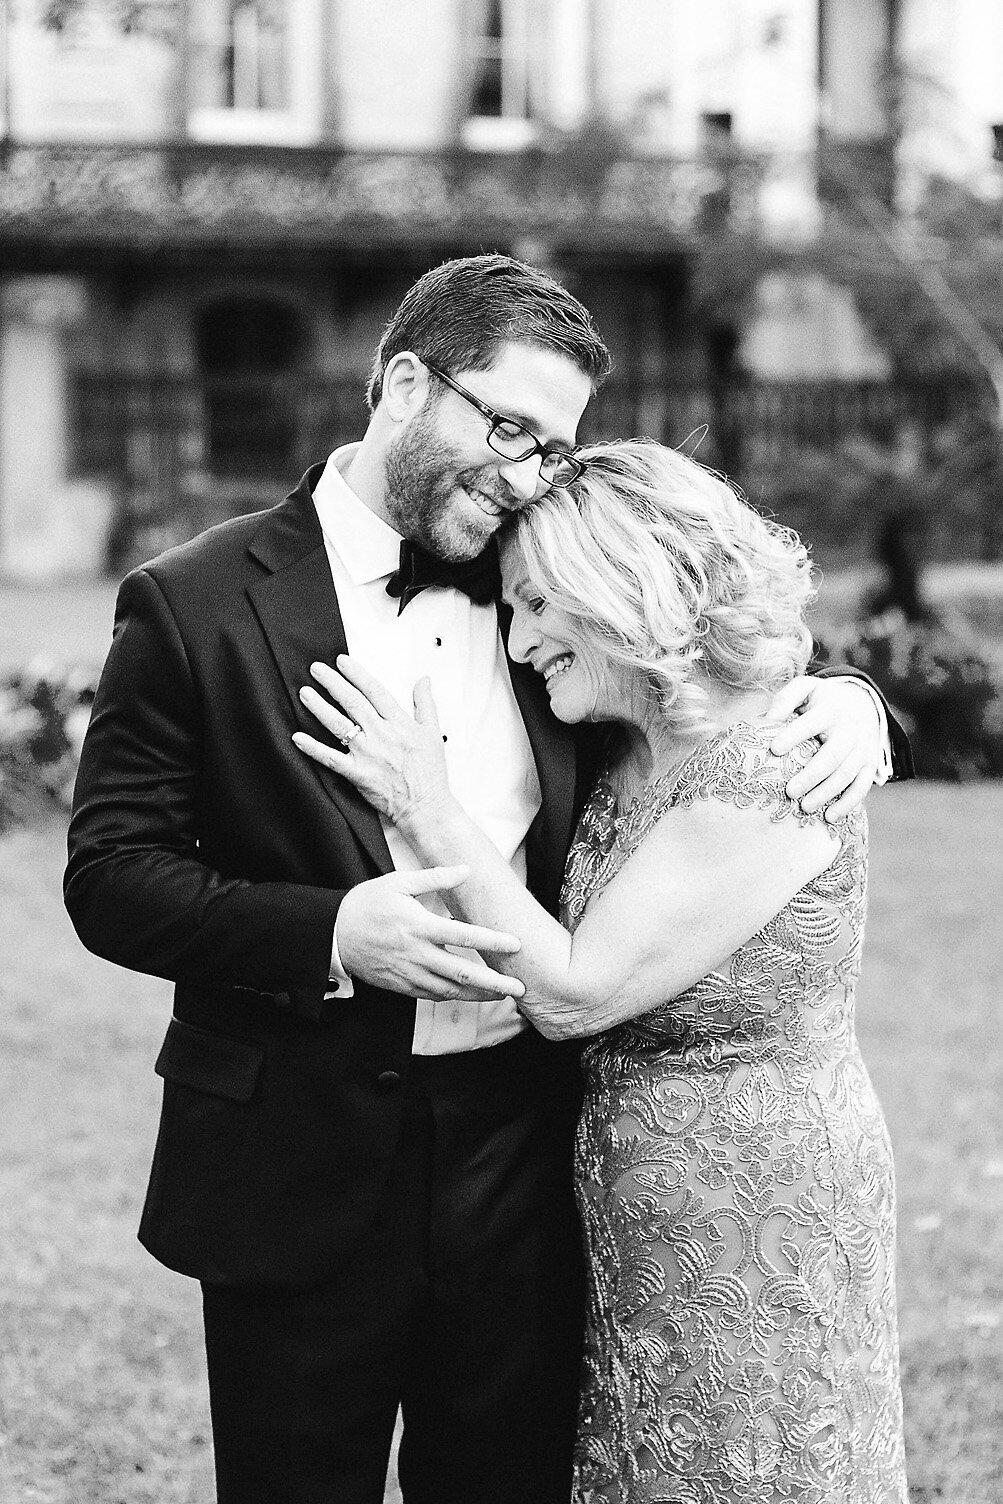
point(551, 460)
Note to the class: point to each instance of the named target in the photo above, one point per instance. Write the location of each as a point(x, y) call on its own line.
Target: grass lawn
point(102, 1393)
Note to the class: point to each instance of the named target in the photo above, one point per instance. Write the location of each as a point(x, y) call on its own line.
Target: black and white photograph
point(501, 751)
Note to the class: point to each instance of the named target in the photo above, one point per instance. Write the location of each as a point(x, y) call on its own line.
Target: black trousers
point(463, 1305)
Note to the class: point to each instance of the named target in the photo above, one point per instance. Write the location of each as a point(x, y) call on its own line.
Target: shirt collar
point(368, 547)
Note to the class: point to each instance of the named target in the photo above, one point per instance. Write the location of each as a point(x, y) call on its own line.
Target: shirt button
point(389, 1080)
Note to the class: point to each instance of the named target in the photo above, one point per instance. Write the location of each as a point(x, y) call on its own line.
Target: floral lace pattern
point(735, 1183)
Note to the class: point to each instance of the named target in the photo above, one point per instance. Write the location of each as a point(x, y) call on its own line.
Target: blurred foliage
point(150, 18)
point(841, 497)
point(870, 246)
point(726, 274)
point(44, 710)
point(941, 685)
point(926, 659)
point(955, 233)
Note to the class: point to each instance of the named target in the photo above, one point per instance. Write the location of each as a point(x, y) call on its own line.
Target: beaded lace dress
point(735, 1183)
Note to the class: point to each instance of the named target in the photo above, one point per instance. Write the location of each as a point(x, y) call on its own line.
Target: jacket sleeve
point(902, 761)
point(136, 887)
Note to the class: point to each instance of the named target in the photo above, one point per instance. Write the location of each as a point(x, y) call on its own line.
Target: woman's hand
point(395, 761)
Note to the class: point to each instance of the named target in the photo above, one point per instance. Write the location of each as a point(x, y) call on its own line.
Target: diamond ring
point(350, 734)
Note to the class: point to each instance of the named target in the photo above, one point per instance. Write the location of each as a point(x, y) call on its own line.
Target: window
point(242, 56)
point(250, 349)
point(716, 130)
point(500, 114)
point(716, 140)
point(254, 71)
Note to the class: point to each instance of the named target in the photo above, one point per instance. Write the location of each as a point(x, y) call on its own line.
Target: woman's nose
point(520, 637)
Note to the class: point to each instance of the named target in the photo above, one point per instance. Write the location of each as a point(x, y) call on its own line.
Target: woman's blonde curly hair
point(666, 569)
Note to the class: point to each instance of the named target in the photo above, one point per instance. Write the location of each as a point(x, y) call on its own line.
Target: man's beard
point(421, 475)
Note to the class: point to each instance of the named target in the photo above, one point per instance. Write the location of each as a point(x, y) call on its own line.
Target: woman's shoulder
point(737, 766)
point(724, 809)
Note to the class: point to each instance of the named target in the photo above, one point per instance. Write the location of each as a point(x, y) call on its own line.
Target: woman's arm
point(706, 878)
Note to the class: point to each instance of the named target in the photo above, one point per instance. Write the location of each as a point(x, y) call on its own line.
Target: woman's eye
point(536, 605)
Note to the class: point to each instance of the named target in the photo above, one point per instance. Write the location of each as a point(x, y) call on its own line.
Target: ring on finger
point(350, 735)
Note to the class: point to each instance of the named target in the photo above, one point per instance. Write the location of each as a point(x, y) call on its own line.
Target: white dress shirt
point(492, 773)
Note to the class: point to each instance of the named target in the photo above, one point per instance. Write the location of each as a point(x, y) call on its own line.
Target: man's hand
point(842, 714)
point(387, 938)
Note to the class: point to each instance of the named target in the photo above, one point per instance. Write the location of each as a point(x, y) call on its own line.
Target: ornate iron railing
point(179, 195)
point(182, 453)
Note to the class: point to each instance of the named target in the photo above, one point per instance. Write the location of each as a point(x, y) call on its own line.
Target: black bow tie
point(479, 578)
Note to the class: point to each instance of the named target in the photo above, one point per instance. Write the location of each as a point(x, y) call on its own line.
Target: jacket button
point(389, 1080)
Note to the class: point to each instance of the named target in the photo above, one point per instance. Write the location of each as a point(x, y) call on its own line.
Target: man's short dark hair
point(458, 314)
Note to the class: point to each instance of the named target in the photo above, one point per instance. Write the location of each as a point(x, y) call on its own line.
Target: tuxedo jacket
point(206, 849)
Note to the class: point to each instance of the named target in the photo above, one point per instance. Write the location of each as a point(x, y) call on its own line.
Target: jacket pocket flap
point(209, 1062)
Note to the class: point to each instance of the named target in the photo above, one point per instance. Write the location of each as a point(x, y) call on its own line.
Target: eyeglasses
point(514, 442)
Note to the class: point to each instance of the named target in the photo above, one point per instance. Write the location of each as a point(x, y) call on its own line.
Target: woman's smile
point(556, 667)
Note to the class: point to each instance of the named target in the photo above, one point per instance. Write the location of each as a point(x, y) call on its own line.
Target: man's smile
point(491, 506)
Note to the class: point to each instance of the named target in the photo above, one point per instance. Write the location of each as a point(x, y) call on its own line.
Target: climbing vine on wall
point(149, 18)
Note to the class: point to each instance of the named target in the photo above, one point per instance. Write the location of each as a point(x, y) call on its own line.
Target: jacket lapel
point(296, 603)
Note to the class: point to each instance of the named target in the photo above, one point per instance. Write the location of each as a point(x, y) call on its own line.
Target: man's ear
point(405, 386)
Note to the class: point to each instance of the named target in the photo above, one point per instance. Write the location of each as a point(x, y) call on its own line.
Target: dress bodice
point(788, 988)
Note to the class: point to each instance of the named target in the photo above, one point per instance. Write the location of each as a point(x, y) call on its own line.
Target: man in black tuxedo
point(364, 1154)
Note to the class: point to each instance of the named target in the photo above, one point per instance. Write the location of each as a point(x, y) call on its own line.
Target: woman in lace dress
point(733, 1168)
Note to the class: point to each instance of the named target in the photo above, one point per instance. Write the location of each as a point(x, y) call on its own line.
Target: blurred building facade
point(208, 208)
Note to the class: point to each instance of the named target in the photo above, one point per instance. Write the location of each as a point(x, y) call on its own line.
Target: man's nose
point(522, 477)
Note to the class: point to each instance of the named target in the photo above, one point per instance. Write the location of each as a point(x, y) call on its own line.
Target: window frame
point(514, 128)
point(297, 125)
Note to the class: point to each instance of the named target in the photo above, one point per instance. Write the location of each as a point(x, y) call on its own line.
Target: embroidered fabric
point(736, 1189)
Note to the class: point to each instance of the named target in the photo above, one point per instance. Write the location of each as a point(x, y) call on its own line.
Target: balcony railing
point(188, 194)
